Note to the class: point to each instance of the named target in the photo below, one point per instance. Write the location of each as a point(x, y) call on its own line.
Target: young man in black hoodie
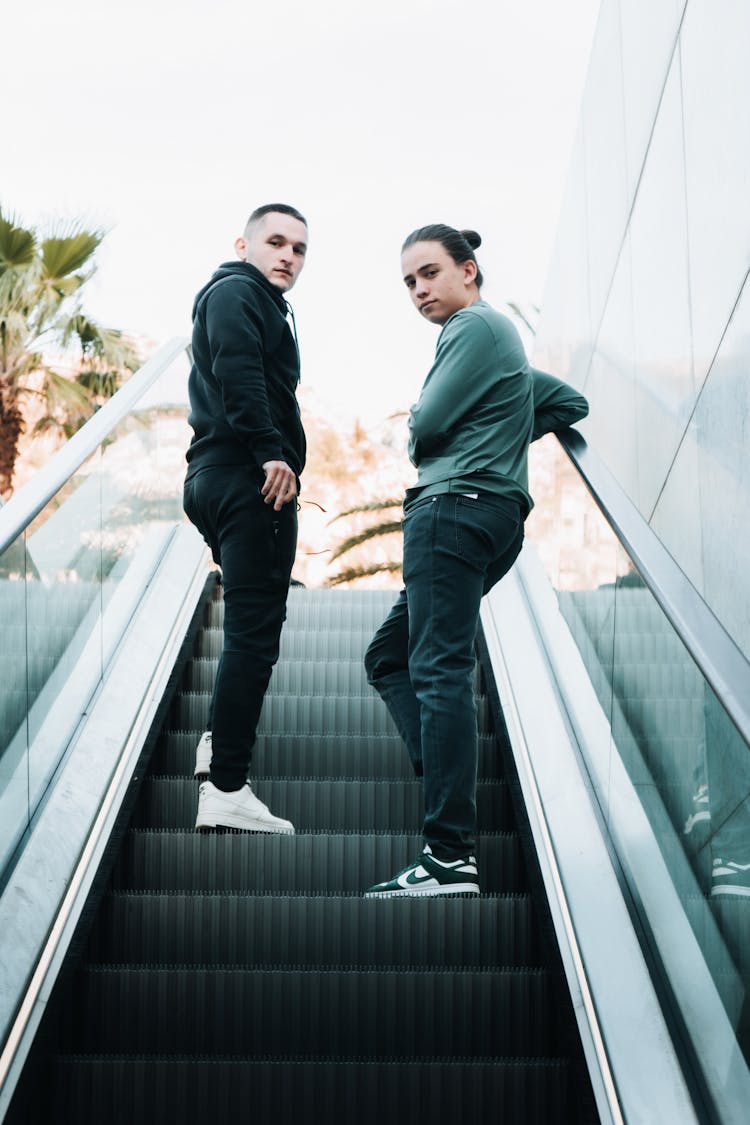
point(244, 463)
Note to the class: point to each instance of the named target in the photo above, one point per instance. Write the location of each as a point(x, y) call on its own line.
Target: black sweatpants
point(255, 547)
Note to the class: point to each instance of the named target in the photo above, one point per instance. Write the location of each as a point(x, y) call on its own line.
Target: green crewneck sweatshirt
point(480, 407)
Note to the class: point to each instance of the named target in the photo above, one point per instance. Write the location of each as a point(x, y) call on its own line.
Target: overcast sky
point(166, 124)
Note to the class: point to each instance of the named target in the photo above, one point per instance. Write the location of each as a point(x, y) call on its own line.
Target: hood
point(248, 273)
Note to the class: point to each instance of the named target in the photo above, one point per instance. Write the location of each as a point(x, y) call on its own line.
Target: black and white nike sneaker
point(429, 875)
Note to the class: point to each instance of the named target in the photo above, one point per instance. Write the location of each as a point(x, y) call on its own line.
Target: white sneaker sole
point(728, 889)
point(416, 892)
point(205, 821)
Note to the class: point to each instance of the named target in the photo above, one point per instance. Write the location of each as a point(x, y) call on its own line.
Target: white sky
point(167, 124)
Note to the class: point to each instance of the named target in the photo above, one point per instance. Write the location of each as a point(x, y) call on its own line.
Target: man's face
point(438, 286)
point(276, 245)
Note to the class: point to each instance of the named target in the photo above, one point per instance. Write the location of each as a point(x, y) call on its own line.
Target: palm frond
point(64, 254)
point(364, 536)
point(375, 506)
point(24, 366)
point(65, 395)
point(109, 345)
point(99, 384)
point(355, 572)
point(41, 276)
point(17, 244)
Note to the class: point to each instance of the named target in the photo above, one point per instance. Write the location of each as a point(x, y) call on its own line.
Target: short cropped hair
point(267, 208)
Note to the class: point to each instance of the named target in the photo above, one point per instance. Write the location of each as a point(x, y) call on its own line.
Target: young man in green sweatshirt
point(480, 407)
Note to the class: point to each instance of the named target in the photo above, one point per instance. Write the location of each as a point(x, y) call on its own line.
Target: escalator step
point(331, 615)
point(352, 596)
point(323, 803)
point(310, 714)
point(321, 755)
point(233, 975)
point(437, 1091)
point(298, 644)
point(197, 1010)
point(295, 677)
point(267, 930)
point(304, 864)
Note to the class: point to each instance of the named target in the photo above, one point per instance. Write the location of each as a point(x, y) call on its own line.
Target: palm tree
point(374, 531)
point(41, 279)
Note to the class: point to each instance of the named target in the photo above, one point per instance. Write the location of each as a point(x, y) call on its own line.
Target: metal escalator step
point(331, 615)
point(436, 1091)
point(197, 1010)
point(353, 596)
point(233, 975)
point(324, 932)
point(326, 864)
point(303, 677)
point(296, 677)
point(322, 755)
point(299, 644)
point(339, 714)
point(328, 804)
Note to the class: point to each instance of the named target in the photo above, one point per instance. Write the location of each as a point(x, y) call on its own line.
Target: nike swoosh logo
point(413, 878)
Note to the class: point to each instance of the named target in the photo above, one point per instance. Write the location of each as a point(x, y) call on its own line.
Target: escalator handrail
point(720, 660)
point(25, 505)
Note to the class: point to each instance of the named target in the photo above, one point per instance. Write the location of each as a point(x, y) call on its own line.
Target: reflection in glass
point(682, 755)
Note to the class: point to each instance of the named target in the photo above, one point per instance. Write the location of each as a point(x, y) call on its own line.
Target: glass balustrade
point(70, 582)
point(668, 745)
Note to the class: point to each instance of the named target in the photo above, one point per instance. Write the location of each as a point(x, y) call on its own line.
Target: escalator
point(230, 975)
point(151, 973)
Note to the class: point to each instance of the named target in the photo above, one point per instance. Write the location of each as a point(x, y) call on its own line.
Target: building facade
point(647, 306)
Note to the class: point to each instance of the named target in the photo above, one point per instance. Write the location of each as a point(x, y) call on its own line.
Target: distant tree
point(41, 278)
point(366, 535)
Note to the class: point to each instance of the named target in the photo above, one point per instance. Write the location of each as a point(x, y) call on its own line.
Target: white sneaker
point(238, 809)
point(203, 755)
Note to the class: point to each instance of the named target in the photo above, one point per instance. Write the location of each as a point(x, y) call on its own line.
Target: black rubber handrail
point(25, 505)
point(722, 663)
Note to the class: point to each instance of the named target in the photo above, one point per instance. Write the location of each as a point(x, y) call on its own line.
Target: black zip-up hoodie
point(243, 407)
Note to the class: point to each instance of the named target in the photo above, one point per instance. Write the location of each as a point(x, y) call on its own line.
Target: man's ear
point(241, 248)
point(470, 271)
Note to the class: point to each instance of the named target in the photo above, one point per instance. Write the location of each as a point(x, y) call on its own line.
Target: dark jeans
point(254, 546)
point(421, 660)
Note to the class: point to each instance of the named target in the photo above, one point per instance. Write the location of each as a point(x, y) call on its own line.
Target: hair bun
point(474, 240)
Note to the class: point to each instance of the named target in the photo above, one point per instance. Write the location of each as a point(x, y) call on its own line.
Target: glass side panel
point(14, 700)
point(64, 619)
point(670, 745)
point(143, 466)
point(71, 583)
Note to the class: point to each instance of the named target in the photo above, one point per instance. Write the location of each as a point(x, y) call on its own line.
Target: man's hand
point(280, 486)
